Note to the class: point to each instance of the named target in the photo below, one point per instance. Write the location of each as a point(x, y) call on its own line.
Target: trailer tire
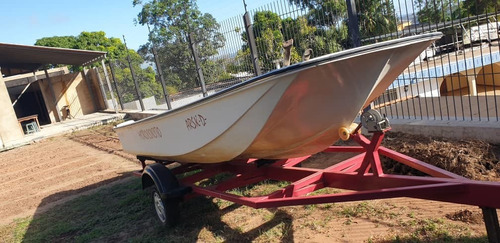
point(167, 211)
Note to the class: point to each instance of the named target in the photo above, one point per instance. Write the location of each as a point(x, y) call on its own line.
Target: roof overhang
point(27, 78)
point(33, 57)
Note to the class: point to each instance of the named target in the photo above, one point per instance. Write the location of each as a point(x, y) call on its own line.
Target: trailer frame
point(362, 175)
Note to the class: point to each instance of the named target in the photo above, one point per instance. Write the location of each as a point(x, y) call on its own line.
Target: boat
point(287, 113)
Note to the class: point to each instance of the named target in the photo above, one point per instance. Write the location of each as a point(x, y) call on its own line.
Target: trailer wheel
point(167, 211)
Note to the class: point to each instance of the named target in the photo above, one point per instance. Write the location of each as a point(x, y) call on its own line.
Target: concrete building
point(32, 94)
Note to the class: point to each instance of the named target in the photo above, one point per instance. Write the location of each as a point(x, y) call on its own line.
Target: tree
point(437, 11)
point(94, 41)
point(146, 78)
point(476, 7)
point(376, 17)
point(307, 31)
point(97, 41)
point(268, 38)
point(325, 30)
point(172, 22)
point(323, 13)
point(116, 50)
point(303, 35)
point(58, 41)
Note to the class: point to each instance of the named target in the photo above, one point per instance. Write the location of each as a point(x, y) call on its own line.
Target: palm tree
point(376, 17)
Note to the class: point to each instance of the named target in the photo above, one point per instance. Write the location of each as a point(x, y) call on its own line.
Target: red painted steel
point(362, 175)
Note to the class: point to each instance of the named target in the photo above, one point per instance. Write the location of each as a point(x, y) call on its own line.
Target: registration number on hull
point(150, 133)
point(195, 122)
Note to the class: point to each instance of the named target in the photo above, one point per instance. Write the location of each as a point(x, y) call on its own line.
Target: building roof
point(33, 57)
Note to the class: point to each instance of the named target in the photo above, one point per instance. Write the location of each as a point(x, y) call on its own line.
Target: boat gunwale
point(353, 52)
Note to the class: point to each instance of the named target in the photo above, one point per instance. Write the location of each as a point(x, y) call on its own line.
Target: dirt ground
point(47, 173)
point(53, 171)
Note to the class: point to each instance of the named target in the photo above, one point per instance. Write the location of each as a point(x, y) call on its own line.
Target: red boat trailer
point(361, 174)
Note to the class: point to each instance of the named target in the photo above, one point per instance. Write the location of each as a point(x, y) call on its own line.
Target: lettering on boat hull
point(195, 122)
point(150, 133)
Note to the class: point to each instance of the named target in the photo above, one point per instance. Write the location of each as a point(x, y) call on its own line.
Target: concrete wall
point(75, 94)
point(149, 103)
point(9, 127)
point(93, 80)
point(184, 100)
point(488, 131)
point(71, 90)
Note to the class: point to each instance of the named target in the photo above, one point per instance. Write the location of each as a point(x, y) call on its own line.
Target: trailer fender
point(164, 180)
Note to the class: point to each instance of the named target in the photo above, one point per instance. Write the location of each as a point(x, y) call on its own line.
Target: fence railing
point(457, 78)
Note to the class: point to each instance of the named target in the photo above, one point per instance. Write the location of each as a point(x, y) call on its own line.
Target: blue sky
point(23, 22)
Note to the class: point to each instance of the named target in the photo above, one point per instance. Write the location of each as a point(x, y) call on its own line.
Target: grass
point(124, 213)
point(369, 210)
point(436, 230)
point(89, 217)
point(262, 188)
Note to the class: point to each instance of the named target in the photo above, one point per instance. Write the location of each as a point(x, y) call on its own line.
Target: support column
point(472, 87)
point(9, 126)
point(89, 86)
point(57, 112)
point(101, 86)
point(109, 86)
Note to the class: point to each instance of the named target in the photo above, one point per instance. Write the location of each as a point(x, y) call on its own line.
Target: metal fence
point(455, 79)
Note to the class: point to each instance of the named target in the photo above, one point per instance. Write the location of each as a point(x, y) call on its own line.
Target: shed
point(29, 89)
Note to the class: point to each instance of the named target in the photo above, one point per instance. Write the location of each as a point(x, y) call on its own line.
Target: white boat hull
point(287, 113)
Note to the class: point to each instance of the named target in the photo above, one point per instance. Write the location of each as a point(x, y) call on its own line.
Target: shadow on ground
point(122, 211)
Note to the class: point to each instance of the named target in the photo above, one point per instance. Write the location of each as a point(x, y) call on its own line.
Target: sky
point(23, 22)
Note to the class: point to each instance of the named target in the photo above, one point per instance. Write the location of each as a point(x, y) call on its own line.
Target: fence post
point(158, 69)
point(192, 44)
point(251, 43)
point(109, 85)
point(353, 28)
point(116, 86)
point(133, 76)
point(353, 25)
point(101, 86)
point(162, 80)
